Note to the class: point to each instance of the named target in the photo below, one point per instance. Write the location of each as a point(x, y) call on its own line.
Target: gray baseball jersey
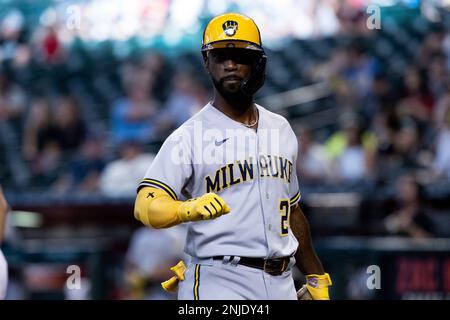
point(3, 276)
point(253, 171)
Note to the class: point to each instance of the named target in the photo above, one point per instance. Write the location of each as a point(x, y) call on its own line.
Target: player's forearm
point(155, 208)
point(306, 257)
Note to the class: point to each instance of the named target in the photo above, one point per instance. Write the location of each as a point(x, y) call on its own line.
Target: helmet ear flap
point(257, 77)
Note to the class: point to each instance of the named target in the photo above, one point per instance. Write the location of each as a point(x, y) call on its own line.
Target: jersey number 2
point(285, 210)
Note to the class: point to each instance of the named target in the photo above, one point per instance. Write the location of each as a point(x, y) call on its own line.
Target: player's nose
point(230, 65)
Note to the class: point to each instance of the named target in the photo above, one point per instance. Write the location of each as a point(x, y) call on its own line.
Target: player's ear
point(206, 62)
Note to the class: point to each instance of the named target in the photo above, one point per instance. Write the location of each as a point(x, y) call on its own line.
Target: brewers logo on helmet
point(230, 27)
point(231, 30)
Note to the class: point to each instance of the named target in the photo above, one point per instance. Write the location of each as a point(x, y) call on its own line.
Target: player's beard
point(231, 92)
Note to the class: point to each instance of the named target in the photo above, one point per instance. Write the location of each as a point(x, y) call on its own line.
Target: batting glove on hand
point(208, 206)
point(316, 287)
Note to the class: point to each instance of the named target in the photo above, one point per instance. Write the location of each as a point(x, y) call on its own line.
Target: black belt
point(273, 267)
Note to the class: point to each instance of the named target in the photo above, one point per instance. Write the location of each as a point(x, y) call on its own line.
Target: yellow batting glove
point(171, 285)
point(208, 206)
point(317, 286)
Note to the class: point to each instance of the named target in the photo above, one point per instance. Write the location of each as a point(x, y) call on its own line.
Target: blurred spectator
point(187, 97)
point(23, 73)
point(134, 116)
point(446, 49)
point(360, 72)
point(333, 71)
point(352, 150)
point(38, 129)
point(49, 46)
point(442, 106)
point(350, 72)
point(334, 66)
point(354, 163)
point(410, 219)
point(431, 45)
point(84, 171)
point(12, 98)
point(121, 177)
point(438, 75)
point(12, 35)
point(155, 64)
point(378, 98)
point(70, 127)
point(40, 142)
point(417, 100)
point(150, 255)
point(403, 152)
point(385, 124)
point(49, 137)
point(441, 164)
point(15, 53)
point(314, 166)
point(351, 17)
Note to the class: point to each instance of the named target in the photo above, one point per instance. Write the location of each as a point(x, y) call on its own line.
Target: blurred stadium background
point(90, 89)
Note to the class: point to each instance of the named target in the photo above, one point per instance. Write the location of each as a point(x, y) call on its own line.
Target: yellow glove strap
point(171, 285)
point(179, 269)
point(317, 286)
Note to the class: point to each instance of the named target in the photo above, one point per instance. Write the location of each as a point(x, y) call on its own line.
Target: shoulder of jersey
point(275, 118)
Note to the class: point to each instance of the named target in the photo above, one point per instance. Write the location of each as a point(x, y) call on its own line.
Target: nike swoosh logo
point(219, 143)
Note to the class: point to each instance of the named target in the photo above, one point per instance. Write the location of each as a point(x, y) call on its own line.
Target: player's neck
point(241, 111)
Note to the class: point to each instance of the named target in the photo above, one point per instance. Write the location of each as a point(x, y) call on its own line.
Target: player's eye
point(219, 57)
point(236, 55)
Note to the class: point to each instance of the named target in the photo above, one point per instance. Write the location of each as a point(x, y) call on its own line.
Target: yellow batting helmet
point(231, 30)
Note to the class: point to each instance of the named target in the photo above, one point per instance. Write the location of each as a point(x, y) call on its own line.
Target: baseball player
point(3, 265)
point(229, 173)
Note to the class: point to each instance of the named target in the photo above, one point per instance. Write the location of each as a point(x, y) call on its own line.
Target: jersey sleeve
point(172, 167)
point(294, 189)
